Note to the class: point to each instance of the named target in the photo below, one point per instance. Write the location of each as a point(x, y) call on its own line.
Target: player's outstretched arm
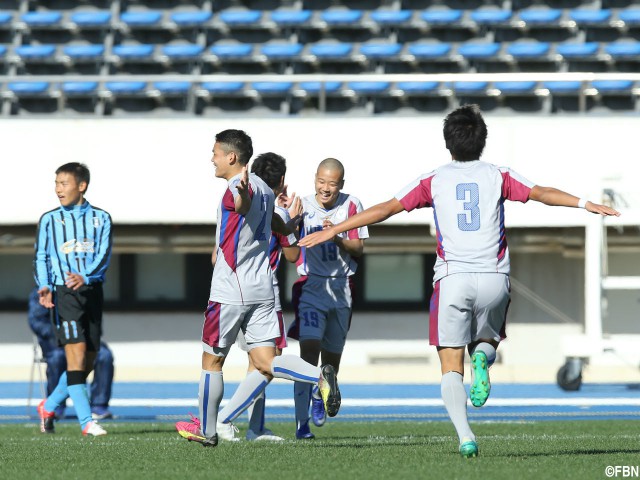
point(243, 200)
point(557, 198)
point(371, 215)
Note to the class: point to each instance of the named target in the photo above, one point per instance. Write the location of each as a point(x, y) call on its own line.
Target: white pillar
point(594, 245)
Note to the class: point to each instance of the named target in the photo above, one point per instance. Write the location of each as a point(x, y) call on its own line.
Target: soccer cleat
point(227, 432)
point(329, 390)
point(191, 431)
point(318, 413)
point(100, 413)
point(303, 432)
point(265, 436)
point(468, 448)
point(481, 386)
point(46, 419)
point(93, 429)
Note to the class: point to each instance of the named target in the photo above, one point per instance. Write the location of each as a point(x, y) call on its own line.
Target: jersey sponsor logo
point(97, 222)
point(311, 214)
point(73, 245)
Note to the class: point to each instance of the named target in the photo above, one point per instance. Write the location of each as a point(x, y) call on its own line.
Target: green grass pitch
point(393, 450)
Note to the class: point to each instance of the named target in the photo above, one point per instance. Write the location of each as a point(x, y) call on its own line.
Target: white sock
point(294, 368)
point(210, 393)
point(252, 386)
point(454, 397)
point(488, 349)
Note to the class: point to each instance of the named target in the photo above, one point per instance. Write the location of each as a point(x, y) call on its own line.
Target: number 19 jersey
point(468, 209)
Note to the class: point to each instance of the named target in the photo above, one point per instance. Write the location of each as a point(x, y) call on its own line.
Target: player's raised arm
point(557, 198)
point(371, 215)
point(243, 200)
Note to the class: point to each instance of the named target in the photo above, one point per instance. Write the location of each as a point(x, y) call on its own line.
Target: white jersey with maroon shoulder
point(327, 259)
point(242, 274)
point(468, 209)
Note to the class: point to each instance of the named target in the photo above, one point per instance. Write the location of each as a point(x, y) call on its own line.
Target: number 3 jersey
point(327, 259)
point(468, 209)
point(242, 273)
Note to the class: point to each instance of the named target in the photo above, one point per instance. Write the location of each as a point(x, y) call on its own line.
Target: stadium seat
point(470, 87)
point(240, 17)
point(3, 50)
point(413, 88)
point(191, 18)
point(317, 87)
point(136, 52)
point(609, 86)
point(630, 16)
point(182, 51)
point(172, 88)
point(429, 50)
point(126, 87)
point(5, 19)
point(626, 49)
point(28, 88)
point(479, 50)
point(368, 88)
point(560, 87)
point(91, 18)
point(281, 51)
point(491, 17)
point(285, 18)
point(529, 50)
point(340, 51)
point(80, 52)
point(341, 17)
point(377, 50)
point(540, 16)
point(79, 88)
point(515, 87)
point(236, 51)
point(590, 17)
point(147, 18)
point(35, 52)
point(222, 87)
point(578, 50)
point(441, 17)
point(272, 88)
point(391, 17)
point(42, 19)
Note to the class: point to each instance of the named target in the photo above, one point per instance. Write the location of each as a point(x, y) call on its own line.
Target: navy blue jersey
point(73, 239)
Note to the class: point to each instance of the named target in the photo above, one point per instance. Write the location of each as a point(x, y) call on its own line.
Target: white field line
point(368, 402)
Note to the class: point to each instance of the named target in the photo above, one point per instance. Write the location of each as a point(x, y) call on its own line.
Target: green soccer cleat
point(481, 386)
point(469, 449)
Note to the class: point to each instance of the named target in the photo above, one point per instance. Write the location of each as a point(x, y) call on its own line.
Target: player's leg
point(449, 330)
point(490, 312)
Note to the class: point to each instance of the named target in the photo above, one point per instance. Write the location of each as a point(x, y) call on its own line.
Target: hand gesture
point(601, 209)
point(74, 280)
point(295, 208)
point(283, 199)
point(243, 184)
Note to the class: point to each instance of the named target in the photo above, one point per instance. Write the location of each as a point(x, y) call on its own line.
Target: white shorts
point(222, 322)
point(467, 307)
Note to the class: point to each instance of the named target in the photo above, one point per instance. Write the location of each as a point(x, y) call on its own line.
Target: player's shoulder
point(47, 215)
point(100, 211)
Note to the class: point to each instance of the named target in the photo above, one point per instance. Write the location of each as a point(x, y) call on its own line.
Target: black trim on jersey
point(64, 238)
point(107, 255)
point(55, 243)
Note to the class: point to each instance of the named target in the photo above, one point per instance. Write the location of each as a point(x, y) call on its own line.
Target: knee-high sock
point(77, 386)
point(294, 368)
point(256, 413)
point(210, 392)
point(252, 386)
point(488, 349)
point(454, 397)
point(301, 398)
point(59, 394)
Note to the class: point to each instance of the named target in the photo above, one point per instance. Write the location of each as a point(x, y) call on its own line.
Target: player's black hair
point(465, 133)
point(270, 167)
point(238, 142)
point(79, 171)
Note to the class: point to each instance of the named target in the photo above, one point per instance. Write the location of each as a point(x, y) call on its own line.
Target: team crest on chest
point(96, 222)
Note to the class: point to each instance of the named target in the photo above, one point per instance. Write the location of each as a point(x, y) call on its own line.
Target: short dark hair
point(465, 133)
point(238, 142)
point(79, 171)
point(270, 167)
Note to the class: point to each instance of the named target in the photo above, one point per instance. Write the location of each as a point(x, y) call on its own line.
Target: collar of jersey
point(467, 164)
point(76, 208)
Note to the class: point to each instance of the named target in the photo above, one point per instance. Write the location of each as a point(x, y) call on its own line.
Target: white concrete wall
point(158, 170)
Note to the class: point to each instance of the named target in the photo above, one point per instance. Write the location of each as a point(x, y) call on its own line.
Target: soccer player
point(42, 326)
point(471, 281)
point(242, 297)
point(322, 294)
point(73, 250)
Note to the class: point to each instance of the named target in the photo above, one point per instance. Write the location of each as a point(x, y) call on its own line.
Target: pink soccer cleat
point(192, 432)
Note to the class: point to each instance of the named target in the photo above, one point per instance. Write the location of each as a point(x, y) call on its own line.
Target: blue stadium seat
point(223, 87)
point(240, 17)
point(28, 88)
point(515, 87)
point(92, 18)
point(36, 52)
point(418, 87)
point(470, 87)
point(391, 17)
point(564, 86)
point(126, 88)
point(146, 18)
point(191, 18)
point(590, 17)
point(529, 50)
point(77, 52)
point(242, 51)
point(138, 51)
point(3, 50)
point(479, 50)
point(378, 50)
point(281, 50)
point(630, 16)
point(578, 50)
point(172, 88)
point(316, 87)
point(539, 16)
point(491, 17)
point(341, 17)
point(272, 88)
point(5, 19)
point(290, 17)
point(368, 88)
point(182, 51)
point(441, 16)
point(331, 50)
point(79, 88)
point(624, 49)
point(609, 86)
point(429, 50)
point(41, 19)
